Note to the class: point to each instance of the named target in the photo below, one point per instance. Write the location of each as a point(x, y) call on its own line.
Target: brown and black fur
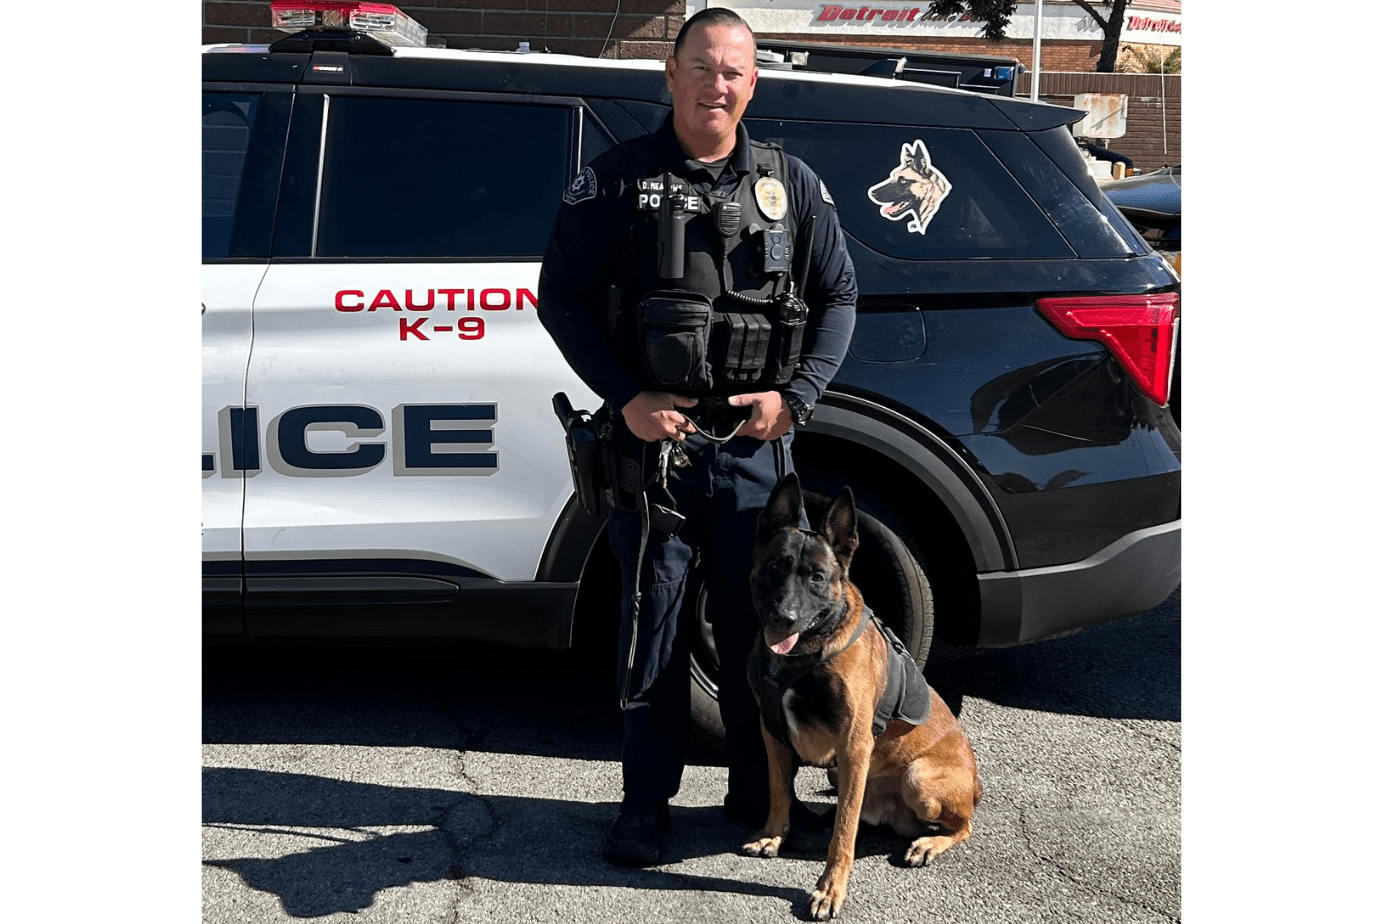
point(919, 780)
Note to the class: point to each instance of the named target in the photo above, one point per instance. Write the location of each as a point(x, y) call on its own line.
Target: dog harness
point(906, 694)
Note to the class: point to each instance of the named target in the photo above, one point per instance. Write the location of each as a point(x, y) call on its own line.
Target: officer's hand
point(770, 419)
point(653, 415)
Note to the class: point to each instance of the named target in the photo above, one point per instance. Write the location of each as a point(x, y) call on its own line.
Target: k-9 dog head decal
point(914, 188)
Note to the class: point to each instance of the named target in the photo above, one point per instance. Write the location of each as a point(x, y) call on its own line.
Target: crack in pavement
point(1073, 879)
point(471, 818)
point(1144, 733)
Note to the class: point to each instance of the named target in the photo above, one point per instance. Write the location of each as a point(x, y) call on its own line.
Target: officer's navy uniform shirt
point(586, 240)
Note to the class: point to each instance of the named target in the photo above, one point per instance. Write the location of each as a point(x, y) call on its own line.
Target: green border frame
point(101, 679)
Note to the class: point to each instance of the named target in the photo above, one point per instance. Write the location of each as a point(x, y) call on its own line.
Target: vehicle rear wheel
point(885, 568)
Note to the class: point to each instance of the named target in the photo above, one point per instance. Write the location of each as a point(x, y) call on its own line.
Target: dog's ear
point(840, 528)
point(916, 157)
point(784, 508)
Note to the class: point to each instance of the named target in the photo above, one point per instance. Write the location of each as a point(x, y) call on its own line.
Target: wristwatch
point(801, 411)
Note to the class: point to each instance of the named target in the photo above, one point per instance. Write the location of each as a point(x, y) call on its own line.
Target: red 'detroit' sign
point(831, 13)
point(1148, 24)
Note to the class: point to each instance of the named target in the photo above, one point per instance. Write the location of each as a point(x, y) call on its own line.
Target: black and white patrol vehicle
point(380, 455)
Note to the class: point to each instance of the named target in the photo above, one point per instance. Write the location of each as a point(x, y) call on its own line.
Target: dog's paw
point(926, 849)
point(826, 903)
point(763, 845)
point(918, 856)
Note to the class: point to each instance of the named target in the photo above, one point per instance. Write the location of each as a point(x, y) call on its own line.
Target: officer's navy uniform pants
point(720, 494)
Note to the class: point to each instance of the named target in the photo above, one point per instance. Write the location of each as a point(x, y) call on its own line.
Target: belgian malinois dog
point(821, 671)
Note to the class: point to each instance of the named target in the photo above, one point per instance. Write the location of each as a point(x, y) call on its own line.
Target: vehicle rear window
point(920, 193)
point(440, 178)
point(228, 120)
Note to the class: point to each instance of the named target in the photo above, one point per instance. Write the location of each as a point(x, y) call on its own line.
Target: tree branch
point(1104, 23)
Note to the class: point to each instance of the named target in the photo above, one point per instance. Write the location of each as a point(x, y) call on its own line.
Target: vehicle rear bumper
point(1133, 574)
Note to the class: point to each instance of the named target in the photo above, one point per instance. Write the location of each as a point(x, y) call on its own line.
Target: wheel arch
point(936, 494)
point(931, 489)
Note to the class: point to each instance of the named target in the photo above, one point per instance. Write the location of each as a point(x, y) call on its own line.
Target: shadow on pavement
point(562, 703)
point(501, 838)
point(1130, 669)
point(457, 696)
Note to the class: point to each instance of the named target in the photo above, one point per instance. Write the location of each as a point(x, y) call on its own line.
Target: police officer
point(699, 283)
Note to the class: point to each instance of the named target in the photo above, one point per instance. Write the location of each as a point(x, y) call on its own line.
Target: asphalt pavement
point(438, 784)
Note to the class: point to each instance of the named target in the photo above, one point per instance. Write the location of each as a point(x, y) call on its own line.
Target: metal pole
point(1164, 107)
point(1036, 50)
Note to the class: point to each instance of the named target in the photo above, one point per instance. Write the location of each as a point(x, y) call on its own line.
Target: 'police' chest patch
point(582, 188)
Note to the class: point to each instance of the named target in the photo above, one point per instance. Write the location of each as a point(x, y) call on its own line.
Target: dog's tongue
point(783, 644)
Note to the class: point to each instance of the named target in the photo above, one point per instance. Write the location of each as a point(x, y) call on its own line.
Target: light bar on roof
point(383, 21)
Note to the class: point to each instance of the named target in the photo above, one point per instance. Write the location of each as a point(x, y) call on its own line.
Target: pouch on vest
point(785, 348)
point(740, 346)
point(674, 339)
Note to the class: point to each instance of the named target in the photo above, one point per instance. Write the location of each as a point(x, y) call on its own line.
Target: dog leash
point(670, 452)
point(637, 600)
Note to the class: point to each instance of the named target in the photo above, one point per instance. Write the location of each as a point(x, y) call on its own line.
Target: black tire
point(886, 569)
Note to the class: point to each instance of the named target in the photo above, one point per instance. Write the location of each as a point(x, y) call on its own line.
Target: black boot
point(636, 837)
point(809, 832)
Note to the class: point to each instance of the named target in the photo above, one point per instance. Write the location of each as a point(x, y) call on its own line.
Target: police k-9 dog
point(821, 671)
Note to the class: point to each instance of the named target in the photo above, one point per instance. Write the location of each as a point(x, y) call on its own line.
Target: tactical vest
point(732, 322)
point(906, 695)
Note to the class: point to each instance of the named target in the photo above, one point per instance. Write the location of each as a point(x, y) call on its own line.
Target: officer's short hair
point(712, 16)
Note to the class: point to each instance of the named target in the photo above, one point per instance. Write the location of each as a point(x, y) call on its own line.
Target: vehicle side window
point(409, 178)
point(945, 199)
point(228, 120)
point(594, 140)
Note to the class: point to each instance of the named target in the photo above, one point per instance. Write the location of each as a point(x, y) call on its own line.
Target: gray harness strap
point(907, 695)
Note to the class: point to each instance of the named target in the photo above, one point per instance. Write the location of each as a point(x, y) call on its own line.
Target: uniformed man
point(699, 283)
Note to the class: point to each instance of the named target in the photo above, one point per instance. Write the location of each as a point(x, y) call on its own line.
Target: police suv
point(380, 454)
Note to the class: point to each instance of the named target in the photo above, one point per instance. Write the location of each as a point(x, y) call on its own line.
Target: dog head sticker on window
point(914, 188)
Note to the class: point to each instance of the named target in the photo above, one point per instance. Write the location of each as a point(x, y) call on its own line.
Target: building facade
point(1070, 47)
point(645, 28)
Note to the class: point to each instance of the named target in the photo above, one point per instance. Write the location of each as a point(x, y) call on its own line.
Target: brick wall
point(643, 29)
point(1058, 56)
point(646, 29)
point(1147, 139)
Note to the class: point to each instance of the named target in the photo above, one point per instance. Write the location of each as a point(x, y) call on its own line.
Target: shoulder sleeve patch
point(825, 194)
point(582, 188)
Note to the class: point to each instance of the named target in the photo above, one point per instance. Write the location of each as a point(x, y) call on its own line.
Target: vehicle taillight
point(383, 21)
point(1140, 330)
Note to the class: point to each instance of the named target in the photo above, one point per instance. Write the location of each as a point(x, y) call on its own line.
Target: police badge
point(772, 198)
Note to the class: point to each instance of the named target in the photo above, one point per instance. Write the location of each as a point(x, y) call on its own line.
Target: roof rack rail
point(994, 74)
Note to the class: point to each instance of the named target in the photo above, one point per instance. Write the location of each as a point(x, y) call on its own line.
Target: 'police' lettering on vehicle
point(426, 439)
